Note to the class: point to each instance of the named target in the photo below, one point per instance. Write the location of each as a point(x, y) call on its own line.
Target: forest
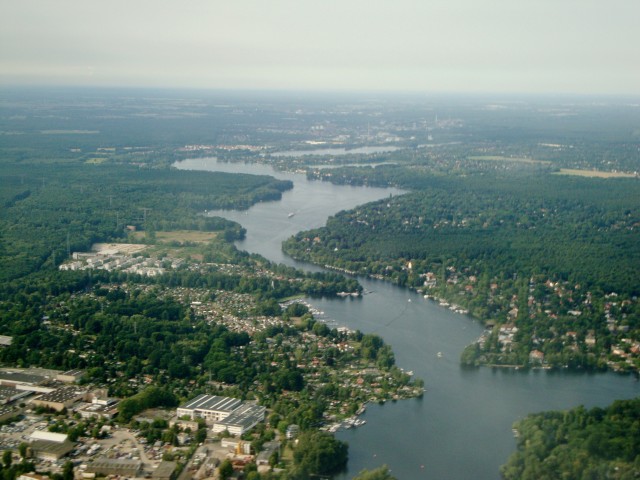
point(50, 210)
point(578, 444)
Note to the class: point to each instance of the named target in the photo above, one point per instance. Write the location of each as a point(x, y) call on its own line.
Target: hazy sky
point(522, 46)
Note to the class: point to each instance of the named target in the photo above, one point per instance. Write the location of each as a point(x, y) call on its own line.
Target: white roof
point(49, 436)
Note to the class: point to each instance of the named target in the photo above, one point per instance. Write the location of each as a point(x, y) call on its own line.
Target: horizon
point(582, 47)
point(320, 93)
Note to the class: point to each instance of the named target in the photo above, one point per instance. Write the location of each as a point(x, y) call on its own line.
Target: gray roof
point(55, 448)
point(212, 402)
point(61, 395)
point(164, 469)
point(105, 465)
point(19, 377)
point(245, 416)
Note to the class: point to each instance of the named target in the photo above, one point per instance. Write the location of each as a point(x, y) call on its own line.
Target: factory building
point(210, 407)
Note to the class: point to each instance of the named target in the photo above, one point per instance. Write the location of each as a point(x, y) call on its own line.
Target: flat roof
point(49, 436)
point(63, 394)
point(164, 469)
point(56, 448)
point(105, 465)
point(245, 416)
point(19, 377)
point(212, 402)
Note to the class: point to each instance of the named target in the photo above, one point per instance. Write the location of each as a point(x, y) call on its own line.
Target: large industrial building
point(210, 407)
point(223, 413)
point(242, 419)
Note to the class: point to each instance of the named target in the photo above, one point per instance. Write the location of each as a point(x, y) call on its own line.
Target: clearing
point(594, 173)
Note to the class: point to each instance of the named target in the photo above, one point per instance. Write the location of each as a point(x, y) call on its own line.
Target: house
point(536, 357)
point(292, 431)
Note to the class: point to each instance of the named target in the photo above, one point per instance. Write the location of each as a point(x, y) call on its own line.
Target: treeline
point(578, 444)
point(585, 231)
point(49, 210)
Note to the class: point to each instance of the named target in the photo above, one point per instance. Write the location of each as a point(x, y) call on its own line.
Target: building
point(115, 466)
point(8, 412)
point(8, 394)
point(70, 376)
point(32, 476)
point(100, 408)
point(241, 420)
point(268, 449)
point(50, 446)
point(5, 341)
point(536, 356)
point(292, 431)
point(164, 471)
point(60, 398)
point(12, 378)
point(236, 445)
point(210, 407)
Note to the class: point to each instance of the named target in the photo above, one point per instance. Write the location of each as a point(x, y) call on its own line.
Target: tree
point(7, 458)
point(67, 471)
point(320, 453)
point(23, 448)
point(226, 469)
point(380, 473)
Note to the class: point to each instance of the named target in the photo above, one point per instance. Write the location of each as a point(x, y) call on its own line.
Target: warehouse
point(210, 407)
point(115, 466)
point(241, 420)
point(59, 399)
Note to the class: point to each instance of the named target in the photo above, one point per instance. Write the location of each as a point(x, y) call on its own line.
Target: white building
point(241, 420)
point(224, 413)
point(210, 407)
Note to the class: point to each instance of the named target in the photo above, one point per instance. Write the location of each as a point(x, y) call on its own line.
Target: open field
point(594, 173)
point(498, 158)
point(117, 248)
point(180, 236)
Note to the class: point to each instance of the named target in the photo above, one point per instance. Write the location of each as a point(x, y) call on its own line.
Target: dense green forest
point(578, 444)
point(50, 210)
point(543, 253)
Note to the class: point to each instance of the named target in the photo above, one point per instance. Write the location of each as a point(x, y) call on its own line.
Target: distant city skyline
point(450, 46)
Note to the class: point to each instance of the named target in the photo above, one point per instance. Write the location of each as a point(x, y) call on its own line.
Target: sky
point(452, 46)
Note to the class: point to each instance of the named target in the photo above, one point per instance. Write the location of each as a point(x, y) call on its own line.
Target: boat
point(291, 214)
point(439, 354)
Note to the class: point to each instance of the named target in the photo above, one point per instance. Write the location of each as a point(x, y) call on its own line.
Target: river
point(461, 428)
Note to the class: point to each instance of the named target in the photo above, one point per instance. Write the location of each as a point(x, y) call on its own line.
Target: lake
point(461, 428)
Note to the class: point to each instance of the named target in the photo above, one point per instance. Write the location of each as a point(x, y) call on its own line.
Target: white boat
point(291, 214)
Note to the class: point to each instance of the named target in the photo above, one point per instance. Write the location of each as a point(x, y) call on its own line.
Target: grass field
point(497, 158)
point(594, 173)
point(180, 236)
